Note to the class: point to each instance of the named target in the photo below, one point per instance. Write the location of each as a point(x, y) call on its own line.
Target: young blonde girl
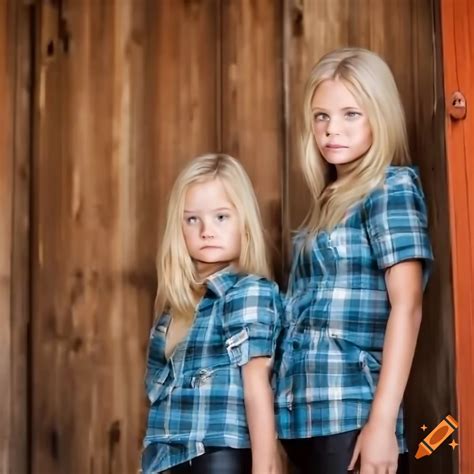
point(210, 348)
point(360, 264)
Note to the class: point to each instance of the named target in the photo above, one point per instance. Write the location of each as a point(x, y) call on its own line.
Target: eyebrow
point(322, 109)
point(188, 211)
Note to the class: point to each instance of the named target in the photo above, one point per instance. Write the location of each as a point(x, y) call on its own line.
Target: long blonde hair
point(178, 284)
point(371, 82)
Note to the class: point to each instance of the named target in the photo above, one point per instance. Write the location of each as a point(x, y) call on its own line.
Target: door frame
point(457, 20)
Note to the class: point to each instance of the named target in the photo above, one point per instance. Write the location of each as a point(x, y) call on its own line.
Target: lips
point(335, 146)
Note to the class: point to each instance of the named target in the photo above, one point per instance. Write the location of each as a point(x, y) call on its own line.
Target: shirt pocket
point(205, 378)
point(355, 265)
point(325, 258)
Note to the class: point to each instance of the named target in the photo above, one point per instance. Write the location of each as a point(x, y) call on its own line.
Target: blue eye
point(222, 217)
point(352, 114)
point(191, 219)
point(320, 117)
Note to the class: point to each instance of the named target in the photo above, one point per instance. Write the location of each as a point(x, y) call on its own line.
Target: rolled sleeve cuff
point(251, 341)
point(393, 249)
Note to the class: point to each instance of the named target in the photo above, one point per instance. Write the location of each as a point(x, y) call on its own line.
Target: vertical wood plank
point(457, 18)
point(15, 78)
point(121, 107)
point(182, 103)
point(313, 27)
point(7, 80)
point(252, 103)
point(20, 256)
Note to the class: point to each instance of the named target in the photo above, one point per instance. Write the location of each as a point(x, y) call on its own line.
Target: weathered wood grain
point(7, 80)
point(251, 123)
point(15, 146)
point(126, 96)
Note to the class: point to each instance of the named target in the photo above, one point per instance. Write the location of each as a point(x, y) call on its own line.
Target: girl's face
point(340, 126)
point(211, 227)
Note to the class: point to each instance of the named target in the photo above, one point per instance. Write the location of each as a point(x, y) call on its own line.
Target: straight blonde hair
point(372, 84)
point(178, 284)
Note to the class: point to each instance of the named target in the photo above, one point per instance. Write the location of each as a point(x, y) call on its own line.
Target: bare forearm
point(405, 291)
point(399, 347)
point(261, 420)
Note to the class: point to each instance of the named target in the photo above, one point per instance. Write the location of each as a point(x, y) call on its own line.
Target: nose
point(206, 231)
point(333, 127)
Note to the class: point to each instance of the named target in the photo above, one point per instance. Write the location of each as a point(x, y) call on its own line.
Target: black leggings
point(327, 454)
point(217, 461)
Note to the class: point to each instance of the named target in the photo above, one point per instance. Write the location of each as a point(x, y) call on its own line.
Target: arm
point(377, 444)
point(260, 416)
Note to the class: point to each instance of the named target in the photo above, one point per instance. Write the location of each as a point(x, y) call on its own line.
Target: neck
point(343, 170)
point(205, 269)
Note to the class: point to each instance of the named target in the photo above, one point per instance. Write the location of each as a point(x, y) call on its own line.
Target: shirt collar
point(221, 281)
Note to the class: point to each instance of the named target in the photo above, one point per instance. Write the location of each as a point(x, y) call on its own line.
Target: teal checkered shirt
point(196, 396)
point(330, 349)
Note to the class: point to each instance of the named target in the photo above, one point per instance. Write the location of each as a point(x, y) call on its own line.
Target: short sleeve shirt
point(329, 353)
point(196, 395)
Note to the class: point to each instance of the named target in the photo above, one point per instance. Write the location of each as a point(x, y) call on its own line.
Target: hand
point(378, 450)
point(270, 466)
point(273, 469)
point(277, 466)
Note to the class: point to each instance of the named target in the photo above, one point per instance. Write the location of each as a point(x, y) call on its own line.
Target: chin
point(342, 161)
point(210, 260)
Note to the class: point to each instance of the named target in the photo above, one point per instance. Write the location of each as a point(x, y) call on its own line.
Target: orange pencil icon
point(447, 426)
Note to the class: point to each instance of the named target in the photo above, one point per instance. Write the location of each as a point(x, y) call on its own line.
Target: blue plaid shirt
point(196, 396)
point(329, 353)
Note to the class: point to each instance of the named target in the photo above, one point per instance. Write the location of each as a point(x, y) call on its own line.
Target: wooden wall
point(126, 92)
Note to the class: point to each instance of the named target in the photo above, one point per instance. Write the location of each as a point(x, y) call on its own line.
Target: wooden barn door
point(126, 92)
point(458, 57)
